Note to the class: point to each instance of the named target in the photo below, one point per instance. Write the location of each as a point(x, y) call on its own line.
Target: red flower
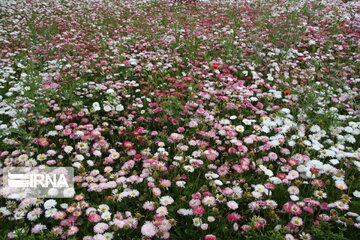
point(216, 65)
point(287, 92)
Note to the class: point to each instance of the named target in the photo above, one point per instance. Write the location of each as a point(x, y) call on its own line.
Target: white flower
point(134, 193)
point(256, 194)
point(4, 211)
point(23, 157)
point(209, 201)
point(320, 194)
point(79, 157)
point(189, 168)
point(356, 194)
point(108, 236)
point(348, 129)
point(64, 205)
point(98, 237)
point(268, 172)
point(315, 128)
point(312, 42)
point(334, 161)
point(285, 110)
point(293, 190)
point(180, 183)
point(260, 188)
point(197, 222)
point(107, 108)
point(106, 215)
point(162, 211)
point(225, 122)
point(239, 128)
point(357, 163)
point(237, 192)
point(119, 108)
point(218, 182)
point(247, 121)
point(68, 149)
point(103, 208)
point(41, 157)
point(50, 212)
point(69, 192)
point(166, 200)
point(275, 180)
point(353, 124)
point(185, 212)
point(294, 198)
point(97, 153)
point(96, 106)
point(232, 205)
point(50, 204)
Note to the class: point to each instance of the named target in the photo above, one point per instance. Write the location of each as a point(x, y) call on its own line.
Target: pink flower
point(72, 230)
point(60, 215)
point(309, 209)
point(175, 137)
point(324, 206)
point(181, 129)
point(223, 170)
point(232, 150)
point(148, 229)
point(289, 237)
point(273, 156)
point(260, 222)
point(269, 186)
point(51, 162)
point(295, 210)
point(245, 161)
point(165, 183)
point(227, 191)
point(101, 228)
point(94, 218)
point(38, 228)
point(232, 205)
point(204, 226)
point(245, 227)
point(198, 210)
point(58, 230)
point(194, 203)
point(233, 217)
point(196, 195)
point(156, 191)
point(149, 206)
point(292, 208)
point(209, 201)
point(237, 168)
point(211, 154)
point(292, 175)
point(95, 133)
point(210, 237)
point(296, 221)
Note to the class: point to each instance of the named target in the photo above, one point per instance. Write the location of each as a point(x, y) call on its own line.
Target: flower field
point(183, 120)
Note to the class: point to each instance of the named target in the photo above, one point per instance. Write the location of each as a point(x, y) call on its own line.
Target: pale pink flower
point(148, 229)
point(101, 228)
